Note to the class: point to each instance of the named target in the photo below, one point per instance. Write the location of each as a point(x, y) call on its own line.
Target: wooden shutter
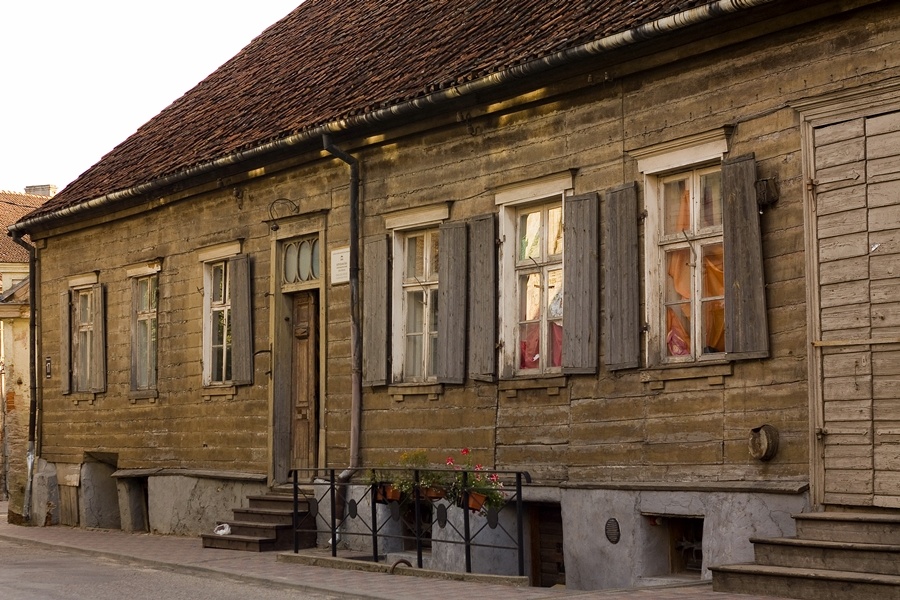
point(622, 315)
point(241, 320)
point(98, 351)
point(376, 311)
point(452, 271)
point(581, 283)
point(482, 298)
point(746, 326)
point(65, 342)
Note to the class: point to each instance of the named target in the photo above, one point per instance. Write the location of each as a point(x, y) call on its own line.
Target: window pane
point(218, 355)
point(315, 258)
point(291, 256)
point(555, 338)
point(415, 258)
point(678, 327)
point(152, 291)
point(415, 312)
point(143, 360)
point(678, 275)
point(676, 206)
point(713, 271)
point(530, 236)
point(433, 259)
point(555, 294)
point(218, 282)
point(153, 340)
point(413, 356)
point(713, 326)
point(554, 231)
point(143, 294)
point(432, 310)
point(84, 308)
point(218, 328)
point(711, 199)
point(530, 297)
point(529, 345)
point(304, 260)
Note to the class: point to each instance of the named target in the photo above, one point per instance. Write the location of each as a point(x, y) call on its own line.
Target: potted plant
point(473, 486)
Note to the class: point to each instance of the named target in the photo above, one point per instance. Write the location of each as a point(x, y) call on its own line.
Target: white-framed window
point(691, 265)
point(705, 294)
point(539, 287)
point(145, 290)
point(227, 339)
point(531, 276)
point(83, 312)
point(420, 303)
point(83, 336)
point(415, 286)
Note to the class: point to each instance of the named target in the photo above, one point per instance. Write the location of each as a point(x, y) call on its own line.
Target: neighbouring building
point(645, 251)
point(15, 386)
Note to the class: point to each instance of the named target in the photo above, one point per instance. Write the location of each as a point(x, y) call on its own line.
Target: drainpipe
point(32, 376)
point(355, 336)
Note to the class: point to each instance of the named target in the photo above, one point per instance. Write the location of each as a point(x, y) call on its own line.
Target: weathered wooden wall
point(687, 424)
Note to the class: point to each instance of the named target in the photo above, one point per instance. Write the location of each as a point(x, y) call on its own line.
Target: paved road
point(32, 573)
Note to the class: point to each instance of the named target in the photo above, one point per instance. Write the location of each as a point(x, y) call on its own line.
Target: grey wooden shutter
point(376, 311)
point(482, 298)
point(622, 314)
point(98, 340)
point(452, 271)
point(65, 341)
point(581, 283)
point(241, 320)
point(746, 325)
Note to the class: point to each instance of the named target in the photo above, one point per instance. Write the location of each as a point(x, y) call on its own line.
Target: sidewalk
point(186, 555)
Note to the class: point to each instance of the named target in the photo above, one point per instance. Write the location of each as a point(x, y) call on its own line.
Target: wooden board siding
point(857, 177)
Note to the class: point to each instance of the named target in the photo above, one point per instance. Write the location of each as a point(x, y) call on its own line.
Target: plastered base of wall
point(184, 505)
point(44, 494)
point(729, 520)
point(355, 532)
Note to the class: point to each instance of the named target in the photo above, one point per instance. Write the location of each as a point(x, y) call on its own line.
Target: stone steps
point(839, 556)
point(265, 525)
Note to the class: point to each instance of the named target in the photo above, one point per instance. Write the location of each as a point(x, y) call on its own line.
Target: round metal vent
point(613, 533)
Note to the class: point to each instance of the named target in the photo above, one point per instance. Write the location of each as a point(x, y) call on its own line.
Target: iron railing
point(460, 495)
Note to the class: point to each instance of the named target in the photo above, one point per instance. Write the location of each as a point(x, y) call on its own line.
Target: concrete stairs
point(835, 556)
point(263, 526)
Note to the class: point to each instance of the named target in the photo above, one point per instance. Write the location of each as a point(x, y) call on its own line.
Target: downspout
point(355, 336)
point(32, 376)
point(648, 31)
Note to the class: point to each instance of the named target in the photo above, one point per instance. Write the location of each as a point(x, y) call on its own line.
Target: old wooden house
point(645, 251)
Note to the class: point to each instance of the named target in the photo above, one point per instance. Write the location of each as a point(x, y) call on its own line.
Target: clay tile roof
point(13, 206)
point(331, 59)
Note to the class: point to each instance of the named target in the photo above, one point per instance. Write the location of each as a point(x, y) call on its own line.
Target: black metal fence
point(427, 497)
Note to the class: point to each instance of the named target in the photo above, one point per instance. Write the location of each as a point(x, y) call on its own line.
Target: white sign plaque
point(340, 266)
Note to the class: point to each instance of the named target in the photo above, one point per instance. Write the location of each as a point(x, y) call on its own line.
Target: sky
point(77, 77)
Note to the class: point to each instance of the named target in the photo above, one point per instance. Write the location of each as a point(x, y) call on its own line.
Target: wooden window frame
point(552, 190)
point(746, 329)
point(74, 380)
point(139, 315)
point(236, 304)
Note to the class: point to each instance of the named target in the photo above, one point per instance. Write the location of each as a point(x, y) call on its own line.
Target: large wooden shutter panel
point(581, 284)
point(622, 318)
point(746, 325)
point(65, 341)
point(98, 352)
point(241, 320)
point(376, 311)
point(482, 298)
point(452, 271)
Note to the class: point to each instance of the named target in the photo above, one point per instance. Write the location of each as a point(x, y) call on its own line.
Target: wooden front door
point(304, 380)
point(856, 334)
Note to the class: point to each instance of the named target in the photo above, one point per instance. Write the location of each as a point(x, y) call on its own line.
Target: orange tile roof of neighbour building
point(332, 60)
point(13, 206)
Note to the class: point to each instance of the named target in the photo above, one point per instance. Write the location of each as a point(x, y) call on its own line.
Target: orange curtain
point(714, 310)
